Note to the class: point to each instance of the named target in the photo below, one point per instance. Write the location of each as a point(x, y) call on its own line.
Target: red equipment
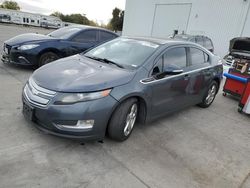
point(238, 82)
point(244, 104)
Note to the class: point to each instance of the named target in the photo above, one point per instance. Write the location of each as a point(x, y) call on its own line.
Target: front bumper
point(17, 57)
point(48, 118)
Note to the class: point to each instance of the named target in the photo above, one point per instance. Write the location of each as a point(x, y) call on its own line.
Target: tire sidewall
point(43, 56)
point(204, 104)
point(118, 120)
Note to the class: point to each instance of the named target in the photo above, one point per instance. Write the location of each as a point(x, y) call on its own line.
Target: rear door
point(199, 74)
point(169, 92)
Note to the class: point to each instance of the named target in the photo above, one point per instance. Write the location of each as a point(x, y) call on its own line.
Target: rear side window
point(198, 56)
point(105, 36)
point(176, 56)
point(86, 36)
point(199, 40)
point(208, 43)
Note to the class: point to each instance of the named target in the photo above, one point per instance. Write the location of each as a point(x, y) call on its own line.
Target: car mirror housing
point(173, 70)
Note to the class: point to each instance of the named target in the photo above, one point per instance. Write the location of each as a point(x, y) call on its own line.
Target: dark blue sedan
point(37, 50)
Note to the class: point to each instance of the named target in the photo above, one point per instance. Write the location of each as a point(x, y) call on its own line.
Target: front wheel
point(123, 120)
point(47, 58)
point(210, 95)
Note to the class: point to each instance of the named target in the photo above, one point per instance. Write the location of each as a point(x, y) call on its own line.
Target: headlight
point(27, 46)
point(71, 98)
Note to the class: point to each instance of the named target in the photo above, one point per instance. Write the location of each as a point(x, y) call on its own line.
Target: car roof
point(83, 27)
point(188, 36)
point(159, 41)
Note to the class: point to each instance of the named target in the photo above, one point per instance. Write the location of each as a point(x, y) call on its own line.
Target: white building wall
point(221, 20)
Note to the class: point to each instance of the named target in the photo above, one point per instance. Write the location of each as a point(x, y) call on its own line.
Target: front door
point(170, 92)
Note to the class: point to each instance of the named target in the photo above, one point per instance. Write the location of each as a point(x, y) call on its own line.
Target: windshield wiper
point(104, 60)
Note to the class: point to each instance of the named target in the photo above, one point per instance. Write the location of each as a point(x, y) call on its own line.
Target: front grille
point(37, 95)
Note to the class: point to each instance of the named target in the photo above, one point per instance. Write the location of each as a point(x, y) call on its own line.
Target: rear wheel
point(47, 58)
point(210, 95)
point(123, 120)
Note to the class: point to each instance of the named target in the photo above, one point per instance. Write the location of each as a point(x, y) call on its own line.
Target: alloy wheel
point(211, 94)
point(130, 120)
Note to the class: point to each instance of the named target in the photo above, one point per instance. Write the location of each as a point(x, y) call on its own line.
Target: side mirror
point(173, 70)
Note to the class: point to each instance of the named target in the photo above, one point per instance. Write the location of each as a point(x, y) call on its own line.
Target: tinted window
point(208, 43)
point(199, 40)
point(197, 56)
point(104, 36)
point(176, 56)
point(65, 32)
point(86, 36)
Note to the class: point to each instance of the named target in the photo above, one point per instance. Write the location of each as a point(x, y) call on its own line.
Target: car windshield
point(128, 53)
point(64, 33)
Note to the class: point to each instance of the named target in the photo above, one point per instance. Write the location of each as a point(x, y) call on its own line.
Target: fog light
point(80, 125)
point(85, 124)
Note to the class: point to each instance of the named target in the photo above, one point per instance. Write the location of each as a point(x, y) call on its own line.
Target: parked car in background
point(204, 41)
point(36, 49)
point(108, 88)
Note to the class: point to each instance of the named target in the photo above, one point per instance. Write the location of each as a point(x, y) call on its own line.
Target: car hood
point(27, 38)
point(80, 74)
point(240, 44)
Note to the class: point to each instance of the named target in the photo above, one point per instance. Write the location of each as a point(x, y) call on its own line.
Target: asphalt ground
point(196, 147)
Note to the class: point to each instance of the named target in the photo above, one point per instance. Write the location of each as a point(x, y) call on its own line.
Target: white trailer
point(26, 18)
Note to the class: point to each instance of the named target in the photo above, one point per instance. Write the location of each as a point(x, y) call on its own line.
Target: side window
point(206, 58)
point(86, 36)
point(208, 43)
point(158, 68)
point(176, 57)
point(104, 36)
point(192, 40)
point(198, 56)
point(199, 40)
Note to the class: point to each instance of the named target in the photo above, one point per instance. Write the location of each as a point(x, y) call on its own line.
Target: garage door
point(170, 17)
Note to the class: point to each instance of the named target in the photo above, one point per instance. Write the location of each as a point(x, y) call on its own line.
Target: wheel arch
point(218, 81)
point(143, 108)
point(54, 50)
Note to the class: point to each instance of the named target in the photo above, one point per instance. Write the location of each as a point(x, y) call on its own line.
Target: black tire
point(205, 102)
point(47, 58)
point(118, 121)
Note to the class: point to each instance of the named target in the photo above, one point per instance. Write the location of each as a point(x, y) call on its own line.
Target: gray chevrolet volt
point(106, 90)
